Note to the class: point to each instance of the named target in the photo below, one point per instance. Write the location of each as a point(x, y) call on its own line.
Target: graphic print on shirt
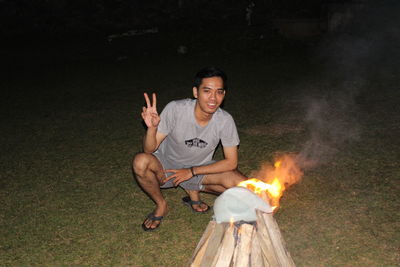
point(196, 142)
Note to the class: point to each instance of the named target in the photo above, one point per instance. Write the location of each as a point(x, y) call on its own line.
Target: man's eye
point(221, 92)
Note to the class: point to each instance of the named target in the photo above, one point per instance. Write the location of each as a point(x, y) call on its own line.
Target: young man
point(179, 145)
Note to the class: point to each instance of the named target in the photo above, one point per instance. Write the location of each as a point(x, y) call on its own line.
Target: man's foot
point(197, 206)
point(152, 222)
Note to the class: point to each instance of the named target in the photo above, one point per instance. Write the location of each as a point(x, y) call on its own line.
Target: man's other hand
point(179, 176)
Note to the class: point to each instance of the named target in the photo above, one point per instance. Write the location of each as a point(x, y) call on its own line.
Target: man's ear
point(195, 92)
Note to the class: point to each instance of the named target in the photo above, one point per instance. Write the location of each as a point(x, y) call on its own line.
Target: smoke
point(347, 62)
point(350, 60)
point(332, 125)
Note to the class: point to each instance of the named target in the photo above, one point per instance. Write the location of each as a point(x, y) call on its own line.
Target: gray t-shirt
point(189, 144)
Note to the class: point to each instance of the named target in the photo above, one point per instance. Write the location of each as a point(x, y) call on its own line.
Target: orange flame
point(284, 172)
point(274, 190)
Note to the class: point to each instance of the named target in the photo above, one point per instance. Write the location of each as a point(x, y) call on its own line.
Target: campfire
point(276, 179)
point(244, 232)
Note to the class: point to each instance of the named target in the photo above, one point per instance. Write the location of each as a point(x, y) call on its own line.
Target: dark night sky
point(105, 16)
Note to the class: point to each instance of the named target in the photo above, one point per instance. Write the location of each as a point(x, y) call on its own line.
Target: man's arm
point(152, 138)
point(229, 163)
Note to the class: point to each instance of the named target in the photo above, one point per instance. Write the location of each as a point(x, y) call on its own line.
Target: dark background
point(98, 17)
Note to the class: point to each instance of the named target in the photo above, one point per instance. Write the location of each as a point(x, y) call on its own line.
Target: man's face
point(210, 94)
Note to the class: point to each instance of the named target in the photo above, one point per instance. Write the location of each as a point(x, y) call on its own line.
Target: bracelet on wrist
point(191, 169)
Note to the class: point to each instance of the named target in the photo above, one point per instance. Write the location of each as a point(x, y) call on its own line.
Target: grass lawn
point(70, 125)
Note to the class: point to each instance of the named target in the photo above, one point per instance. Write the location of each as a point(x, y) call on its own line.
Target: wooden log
point(226, 249)
point(278, 243)
point(213, 244)
point(256, 257)
point(224, 245)
point(235, 253)
point(267, 248)
point(244, 246)
point(202, 245)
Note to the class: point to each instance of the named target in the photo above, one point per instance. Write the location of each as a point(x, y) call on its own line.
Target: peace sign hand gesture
point(149, 114)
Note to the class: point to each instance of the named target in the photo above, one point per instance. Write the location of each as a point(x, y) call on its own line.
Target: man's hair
point(209, 72)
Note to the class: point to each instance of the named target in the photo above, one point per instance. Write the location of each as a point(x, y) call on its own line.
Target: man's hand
point(180, 176)
point(150, 114)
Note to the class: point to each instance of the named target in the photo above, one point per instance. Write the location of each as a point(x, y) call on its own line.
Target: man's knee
point(226, 179)
point(141, 163)
point(235, 178)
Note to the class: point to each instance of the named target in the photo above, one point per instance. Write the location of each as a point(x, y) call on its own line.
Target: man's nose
point(213, 95)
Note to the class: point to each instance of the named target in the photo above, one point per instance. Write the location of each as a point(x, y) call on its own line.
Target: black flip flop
point(188, 202)
point(153, 218)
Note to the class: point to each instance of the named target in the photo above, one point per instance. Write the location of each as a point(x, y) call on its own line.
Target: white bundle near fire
point(244, 232)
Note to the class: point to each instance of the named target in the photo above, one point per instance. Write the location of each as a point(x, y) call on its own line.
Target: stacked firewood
point(256, 244)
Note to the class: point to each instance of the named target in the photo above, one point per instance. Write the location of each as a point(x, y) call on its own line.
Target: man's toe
point(197, 207)
point(200, 207)
point(154, 224)
point(151, 222)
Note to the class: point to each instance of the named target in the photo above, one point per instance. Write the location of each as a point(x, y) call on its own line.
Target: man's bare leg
point(219, 182)
point(216, 184)
point(195, 196)
point(214, 189)
point(149, 171)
